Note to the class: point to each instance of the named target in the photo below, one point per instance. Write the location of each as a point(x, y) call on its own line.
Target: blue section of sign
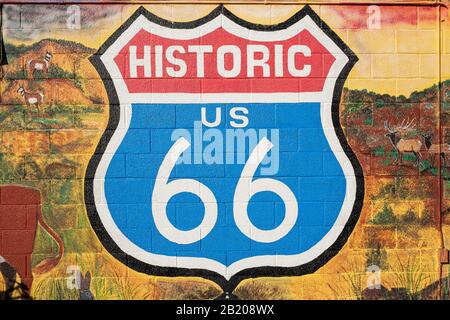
point(306, 164)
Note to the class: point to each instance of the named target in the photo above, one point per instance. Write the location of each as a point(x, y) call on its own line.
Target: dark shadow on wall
point(3, 59)
point(14, 290)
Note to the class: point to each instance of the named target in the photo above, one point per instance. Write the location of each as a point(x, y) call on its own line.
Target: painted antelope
point(402, 145)
point(39, 64)
point(32, 98)
point(433, 149)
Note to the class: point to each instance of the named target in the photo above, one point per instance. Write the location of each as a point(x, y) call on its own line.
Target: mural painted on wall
point(87, 124)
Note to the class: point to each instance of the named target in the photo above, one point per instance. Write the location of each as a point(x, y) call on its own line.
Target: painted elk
point(32, 98)
point(402, 145)
point(443, 150)
point(39, 64)
point(20, 215)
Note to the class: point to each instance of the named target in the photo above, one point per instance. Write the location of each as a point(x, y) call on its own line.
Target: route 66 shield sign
point(224, 156)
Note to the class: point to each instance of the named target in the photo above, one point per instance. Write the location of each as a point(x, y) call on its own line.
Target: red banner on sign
point(220, 62)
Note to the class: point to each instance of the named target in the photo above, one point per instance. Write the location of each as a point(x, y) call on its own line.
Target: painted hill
point(55, 45)
point(363, 113)
point(71, 79)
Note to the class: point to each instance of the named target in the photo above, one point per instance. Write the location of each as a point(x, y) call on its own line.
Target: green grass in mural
point(59, 109)
point(110, 284)
point(90, 109)
point(44, 248)
point(79, 240)
point(20, 118)
point(15, 75)
point(3, 115)
point(409, 275)
point(409, 157)
point(97, 100)
point(13, 118)
point(387, 217)
point(54, 289)
point(125, 289)
point(376, 254)
point(102, 288)
point(425, 165)
point(54, 72)
point(359, 110)
point(46, 122)
point(445, 173)
point(379, 103)
point(390, 158)
point(393, 154)
point(78, 123)
point(100, 284)
point(55, 116)
point(9, 170)
point(65, 192)
point(352, 284)
point(368, 121)
point(384, 217)
point(353, 108)
point(378, 151)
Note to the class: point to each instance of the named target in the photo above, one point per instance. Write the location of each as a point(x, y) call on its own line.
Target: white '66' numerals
point(246, 188)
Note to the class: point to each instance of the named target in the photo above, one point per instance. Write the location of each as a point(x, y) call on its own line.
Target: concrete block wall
point(402, 75)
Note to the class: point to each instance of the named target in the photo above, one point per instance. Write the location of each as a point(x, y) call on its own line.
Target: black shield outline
point(114, 116)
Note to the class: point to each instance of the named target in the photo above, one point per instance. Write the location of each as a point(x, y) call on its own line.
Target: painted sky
point(406, 34)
